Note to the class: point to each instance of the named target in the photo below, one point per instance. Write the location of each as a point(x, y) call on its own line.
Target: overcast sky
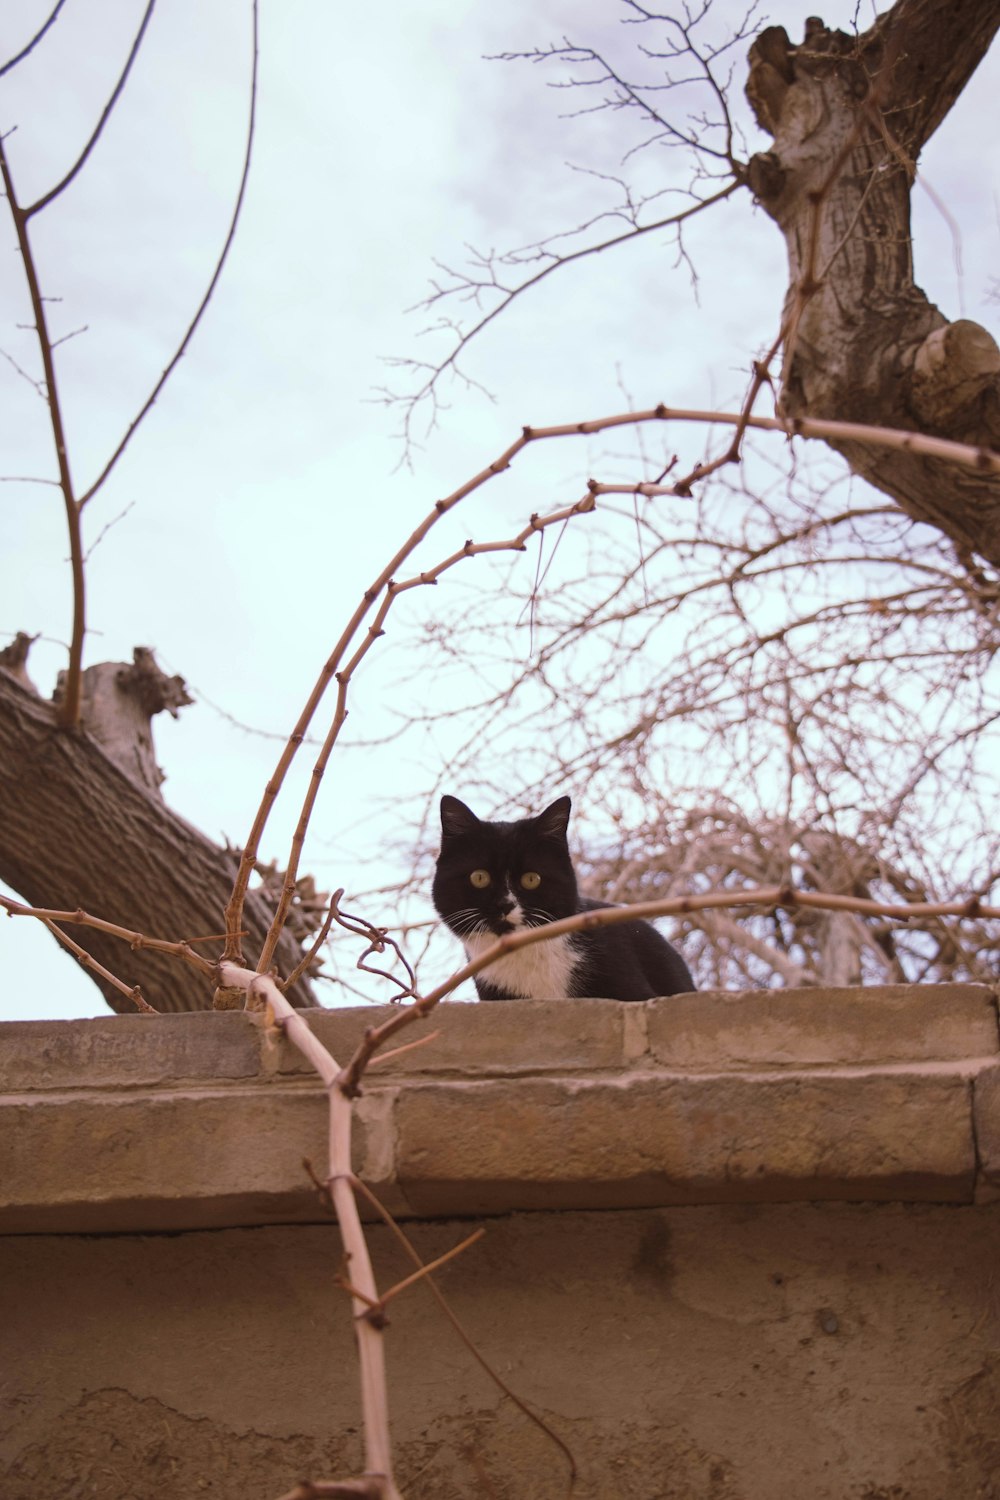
point(264, 491)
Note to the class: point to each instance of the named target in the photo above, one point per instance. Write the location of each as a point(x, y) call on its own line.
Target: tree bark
point(849, 116)
point(77, 831)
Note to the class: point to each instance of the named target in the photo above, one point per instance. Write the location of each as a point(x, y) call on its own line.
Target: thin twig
point(30, 47)
point(38, 386)
point(422, 1041)
point(308, 958)
point(206, 299)
point(509, 294)
point(386, 589)
point(68, 713)
point(60, 187)
point(135, 940)
point(445, 1307)
point(431, 1265)
point(131, 992)
point(378, 941)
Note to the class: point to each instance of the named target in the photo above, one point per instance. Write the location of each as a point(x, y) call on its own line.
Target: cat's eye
point(480, 879)
point(531, 880)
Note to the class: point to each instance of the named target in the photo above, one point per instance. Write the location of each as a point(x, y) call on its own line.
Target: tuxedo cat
point(494, 878)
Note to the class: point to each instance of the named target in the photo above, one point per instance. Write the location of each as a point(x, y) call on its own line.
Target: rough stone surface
point(804, 1028)
point(769, 1352)
point(675, 1349)
point(203, 1121)
point(640, 1140)
point(536, 1036)
point(986, 1117)
point(124, 1050)
point(178, 1160)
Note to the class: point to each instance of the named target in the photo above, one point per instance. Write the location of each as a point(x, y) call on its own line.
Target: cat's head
point(499, 877)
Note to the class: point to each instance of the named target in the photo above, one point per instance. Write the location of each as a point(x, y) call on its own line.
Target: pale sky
point(264, 492)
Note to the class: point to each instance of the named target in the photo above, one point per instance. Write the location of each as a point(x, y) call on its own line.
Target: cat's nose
point(506, 904)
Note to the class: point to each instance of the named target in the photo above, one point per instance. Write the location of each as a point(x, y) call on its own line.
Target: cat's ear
point(552, 823)
point(456, 818)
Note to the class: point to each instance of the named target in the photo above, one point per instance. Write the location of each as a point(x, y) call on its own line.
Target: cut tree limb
point(78, 831)
point(849, 116)
point(119, 702)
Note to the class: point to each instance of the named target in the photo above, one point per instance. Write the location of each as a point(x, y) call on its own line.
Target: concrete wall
point(737, 1247)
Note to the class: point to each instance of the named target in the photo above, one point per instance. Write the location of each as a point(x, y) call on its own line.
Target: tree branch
point(69, 715)
point(848, 117)
point(60, 187)
point(24, 52)
point(929, 49)
point(262, 992)
point(427, 391)
point(77, 832)
point(213, 282)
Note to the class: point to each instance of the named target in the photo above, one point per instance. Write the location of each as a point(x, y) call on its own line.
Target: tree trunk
point(77, 831)
point(849, 116)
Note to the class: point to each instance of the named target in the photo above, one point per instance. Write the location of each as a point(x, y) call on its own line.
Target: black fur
point(624, 961)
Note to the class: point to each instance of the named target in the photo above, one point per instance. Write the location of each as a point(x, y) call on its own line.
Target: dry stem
point(70, 703)
point(133, 992)
point(29, 47)
point(445, 1307)
point(116, 93)
point(69, 708)
point(385, 589)
point(371, 1352)
point(127, 935)
point(178, 354)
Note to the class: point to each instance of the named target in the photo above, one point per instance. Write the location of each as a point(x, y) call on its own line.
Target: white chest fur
point(541, 971)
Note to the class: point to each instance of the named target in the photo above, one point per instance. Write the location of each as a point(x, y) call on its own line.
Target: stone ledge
point(124, 1051)
point(986, 1125)
point(902, 1023)
point(203, 1121)
point(214, 1158)
point(706, 1032)
point(644, 1141)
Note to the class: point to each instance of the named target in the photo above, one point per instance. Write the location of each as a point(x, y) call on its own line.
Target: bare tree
point(849, 116)
point(791, 684)
point(85, 823)
point(815, 586)
point(796, 605)
point(828, 655)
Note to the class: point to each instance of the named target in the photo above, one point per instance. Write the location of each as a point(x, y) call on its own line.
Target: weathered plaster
point(757, 1344)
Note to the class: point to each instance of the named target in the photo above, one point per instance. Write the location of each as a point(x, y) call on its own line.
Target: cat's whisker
point(466, 922)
